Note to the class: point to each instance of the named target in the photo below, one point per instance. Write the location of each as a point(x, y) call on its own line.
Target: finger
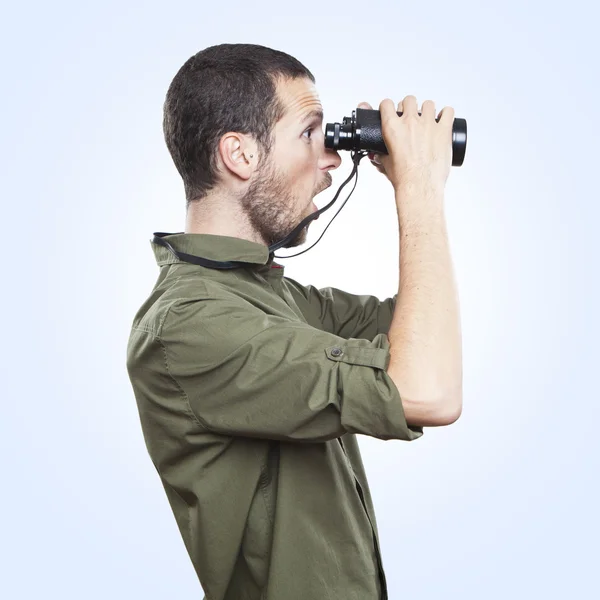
point(428, 110)
point(446, 114)
point(365, 105)
point(410, 105)
point(379, 166)
point(374, 158)
point(386, 108)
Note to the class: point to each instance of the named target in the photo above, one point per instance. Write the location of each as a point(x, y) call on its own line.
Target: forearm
point(425, 333)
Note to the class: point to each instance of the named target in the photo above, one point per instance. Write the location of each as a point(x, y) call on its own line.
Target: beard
point(269, 207)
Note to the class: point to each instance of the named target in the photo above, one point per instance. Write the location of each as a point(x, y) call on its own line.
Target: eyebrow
point(317, 113)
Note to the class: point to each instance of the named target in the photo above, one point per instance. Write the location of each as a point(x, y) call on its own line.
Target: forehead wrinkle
point(304, 101)
point(316, 113)
point(299, 98)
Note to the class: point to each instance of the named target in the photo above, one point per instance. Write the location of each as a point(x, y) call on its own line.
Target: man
point(251, 387)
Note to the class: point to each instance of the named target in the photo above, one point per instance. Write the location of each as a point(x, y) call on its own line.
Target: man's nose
point(331, 160)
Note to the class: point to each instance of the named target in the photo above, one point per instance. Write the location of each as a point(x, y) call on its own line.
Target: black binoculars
point(362, 131)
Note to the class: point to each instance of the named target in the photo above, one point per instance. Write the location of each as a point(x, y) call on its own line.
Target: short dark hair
point(229, 87)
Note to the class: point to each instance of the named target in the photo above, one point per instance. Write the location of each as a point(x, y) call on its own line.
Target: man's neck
point(204, 218)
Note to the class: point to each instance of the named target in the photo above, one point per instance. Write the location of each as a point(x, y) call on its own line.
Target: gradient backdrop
point(502, 504)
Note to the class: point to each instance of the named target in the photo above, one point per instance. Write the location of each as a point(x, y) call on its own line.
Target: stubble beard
point(268, 206)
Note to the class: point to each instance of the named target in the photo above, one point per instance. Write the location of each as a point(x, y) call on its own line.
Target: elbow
point(449, 410)
point(432, 414)
point(428, 409)
point(448, 405)
point(451, 414)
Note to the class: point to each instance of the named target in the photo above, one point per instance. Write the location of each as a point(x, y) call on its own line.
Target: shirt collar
point(214, 247)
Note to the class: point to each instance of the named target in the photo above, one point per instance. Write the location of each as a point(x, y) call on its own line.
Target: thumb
point(365, 105)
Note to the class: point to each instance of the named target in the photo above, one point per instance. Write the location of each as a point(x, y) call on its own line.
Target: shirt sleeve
point(345, 314)
point(247, 373)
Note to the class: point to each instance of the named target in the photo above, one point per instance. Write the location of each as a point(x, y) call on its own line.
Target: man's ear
point(239, 154)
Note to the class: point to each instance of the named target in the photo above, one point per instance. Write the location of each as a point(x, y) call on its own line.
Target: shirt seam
point(265, 481)
point(162, 321)
point(144, 328)
point(193, 415)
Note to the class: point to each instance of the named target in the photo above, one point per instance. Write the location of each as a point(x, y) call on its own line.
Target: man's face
point(297, 169)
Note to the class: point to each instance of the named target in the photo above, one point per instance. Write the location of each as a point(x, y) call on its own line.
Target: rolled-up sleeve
point(343, 313)
point(247, 373)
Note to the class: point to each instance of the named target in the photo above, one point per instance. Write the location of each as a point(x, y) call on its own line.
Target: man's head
point(243, 124)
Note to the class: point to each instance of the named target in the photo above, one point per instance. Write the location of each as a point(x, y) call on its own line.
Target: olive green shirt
point(251, 388)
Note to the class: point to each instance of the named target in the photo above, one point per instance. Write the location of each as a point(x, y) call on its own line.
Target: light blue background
point(502, 504)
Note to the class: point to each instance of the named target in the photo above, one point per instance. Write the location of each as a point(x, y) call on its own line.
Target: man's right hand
point(419, 147)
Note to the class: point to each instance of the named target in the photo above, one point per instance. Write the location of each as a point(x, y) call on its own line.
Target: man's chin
point(298, 240)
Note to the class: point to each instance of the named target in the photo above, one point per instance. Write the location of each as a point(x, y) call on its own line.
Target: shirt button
point(336, 352)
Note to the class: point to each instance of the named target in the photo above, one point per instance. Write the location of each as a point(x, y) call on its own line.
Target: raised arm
point(425, 333)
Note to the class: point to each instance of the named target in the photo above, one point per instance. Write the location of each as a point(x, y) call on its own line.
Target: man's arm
point(425, 333)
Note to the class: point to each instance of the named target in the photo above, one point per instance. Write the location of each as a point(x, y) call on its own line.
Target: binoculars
point(362, 131)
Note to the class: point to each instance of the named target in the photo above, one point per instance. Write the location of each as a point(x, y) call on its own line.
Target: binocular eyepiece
point(362, 132)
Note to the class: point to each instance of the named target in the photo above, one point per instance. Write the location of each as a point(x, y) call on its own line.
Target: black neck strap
point(198, 260)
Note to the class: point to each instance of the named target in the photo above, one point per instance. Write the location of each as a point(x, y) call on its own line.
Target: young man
point(251, 387)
